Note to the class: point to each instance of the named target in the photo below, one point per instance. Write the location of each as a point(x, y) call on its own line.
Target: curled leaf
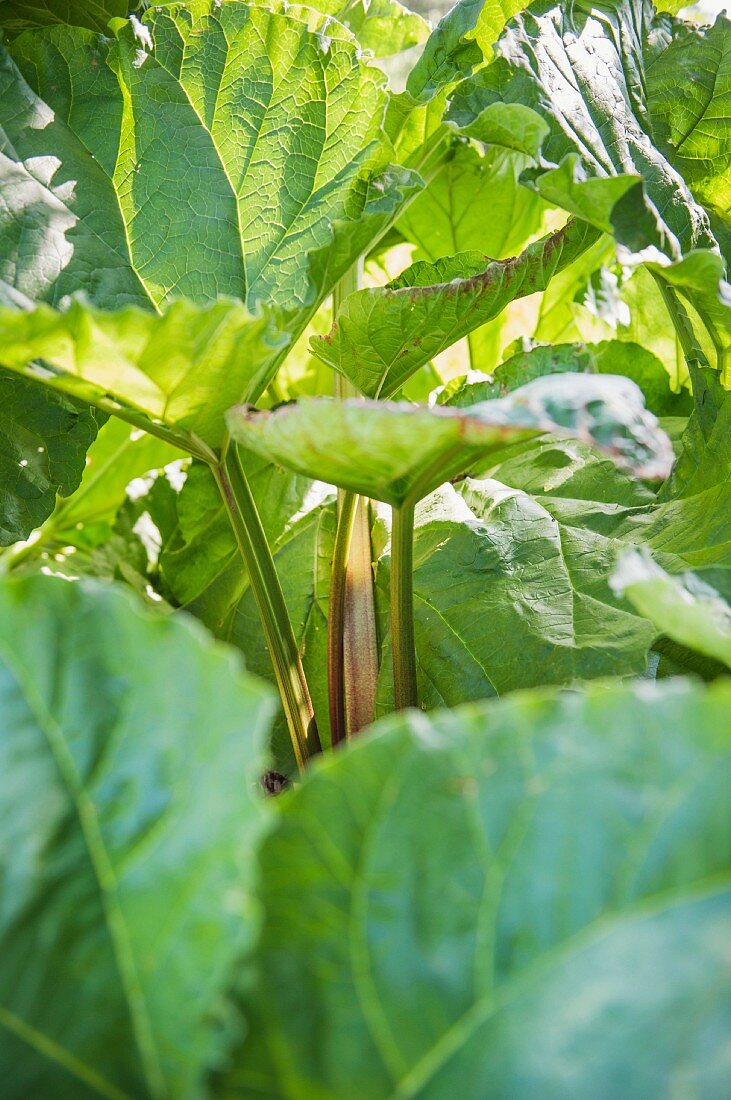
point(399, 453)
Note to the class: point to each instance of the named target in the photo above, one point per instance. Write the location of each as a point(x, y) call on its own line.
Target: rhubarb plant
point(364, 431)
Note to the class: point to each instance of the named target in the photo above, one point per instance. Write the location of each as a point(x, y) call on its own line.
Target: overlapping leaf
point(690, 613)
point(581, 70)
point(211, 150)
point(183, 367)
point(399, 453)
point(43, 443)
point(385, 27)
point(127, 841)
point(383, 335)
point(17, 15)
point(529, 935)
point(213, 166)
point(607, 357)
point(449, 216)
point(689, 100)
point(534, 544)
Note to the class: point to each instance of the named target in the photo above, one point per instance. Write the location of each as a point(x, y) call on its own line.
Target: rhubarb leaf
point(399, 453)
point(528, 935)
point(131, 751)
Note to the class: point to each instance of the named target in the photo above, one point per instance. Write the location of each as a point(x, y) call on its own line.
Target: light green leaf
point(581, 69)
point(690, 613)
point(449, 215)
point(399, 453)
point(215, 150)
point(383, 335)
point(44, 438)
point(208, 215)
point(450, 53)
point(705, 459)
point(706, 297)
point(554, 920)
point(131, 748)
point(607, 357)
point(17, 15)
point(182, 368)
point(689, 98)
point(384, 27)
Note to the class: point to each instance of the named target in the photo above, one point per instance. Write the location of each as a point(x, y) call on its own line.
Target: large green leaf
point(17, 15)
point(506, 596)
point(607, 357)
point(281, 130)
point(182, 368)
point(131, 747)
point(214, 149)
point(531, 547)
point(43, 443)
point(689, 99)
point(383, 335)
point(581, 69)
point(691, 614)
point(399, 453)
point(449, 215)
point(554, 925)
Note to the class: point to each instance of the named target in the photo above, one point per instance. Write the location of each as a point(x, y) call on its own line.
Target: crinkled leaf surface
point(689, 99)
point(581, 68)
point(692, 614)
point(528, 935)
point(399, 453)
point(512, 571)
point(44, 438)
point(215, 150)
point(183, 367)
point(506, 596)
point(131, 746)
point(607, 357)
point(383, 335)
point(212, 167)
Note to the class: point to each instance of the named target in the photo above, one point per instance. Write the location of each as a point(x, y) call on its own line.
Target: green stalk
point(402, 607)
point(336, 619)
point(692, 350)
point(269, 598)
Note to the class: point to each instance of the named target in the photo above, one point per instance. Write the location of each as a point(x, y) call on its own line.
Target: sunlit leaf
point(555, 919)
point(398, 452)
point(383, 335)
point(691, 613)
